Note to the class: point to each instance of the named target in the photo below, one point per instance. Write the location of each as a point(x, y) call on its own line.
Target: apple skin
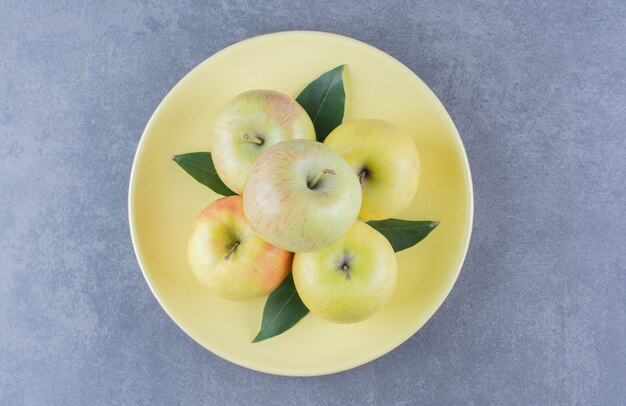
point(325, 288)
point(268, 115)
point(284, 211)
point(388, 159)
point(254, 268)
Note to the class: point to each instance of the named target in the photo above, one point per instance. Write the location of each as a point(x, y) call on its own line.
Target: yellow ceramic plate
point(163, 200)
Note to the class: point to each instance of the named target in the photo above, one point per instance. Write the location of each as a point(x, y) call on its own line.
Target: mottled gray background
point(538, 93)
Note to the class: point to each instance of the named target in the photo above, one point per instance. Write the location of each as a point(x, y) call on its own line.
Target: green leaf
point(200, 166)
point(324, 100)
point(403, 234)
point(283, 309)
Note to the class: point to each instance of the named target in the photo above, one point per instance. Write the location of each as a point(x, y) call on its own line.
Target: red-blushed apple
point(301, 196)
point(229, 258)
point(349, 280)
point(249, 124)
point(385, 159)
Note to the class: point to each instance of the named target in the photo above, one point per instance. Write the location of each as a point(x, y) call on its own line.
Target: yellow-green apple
point(249, 124)
point(301, 196)
point(386, 161)
point(229, 258)
point(349, 280)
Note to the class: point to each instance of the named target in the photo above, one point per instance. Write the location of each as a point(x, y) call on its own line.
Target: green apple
point(301, 196)
point(229, 258)
point(248, 125)
point(385, 159)
point(349, 280)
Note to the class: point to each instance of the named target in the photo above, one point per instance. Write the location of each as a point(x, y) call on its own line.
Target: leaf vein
point(404, 228)
point(280, 311)
point(332, 83)
point(198, 166)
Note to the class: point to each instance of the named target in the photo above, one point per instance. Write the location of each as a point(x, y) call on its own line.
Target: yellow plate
point(163, 200)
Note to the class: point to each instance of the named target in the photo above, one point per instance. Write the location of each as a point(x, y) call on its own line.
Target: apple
point(301, 196)
point(229, 258)
point(249, 124)
point(349, 280)
point(385, 159)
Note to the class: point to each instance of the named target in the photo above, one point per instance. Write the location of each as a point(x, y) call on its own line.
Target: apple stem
point(319, 176)
point(232, 249)
point(364, 173)
point(344, 268)
point(252, 138)
point(362, 178)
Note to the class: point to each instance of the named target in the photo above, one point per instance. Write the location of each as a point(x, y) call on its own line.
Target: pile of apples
point(301, 207)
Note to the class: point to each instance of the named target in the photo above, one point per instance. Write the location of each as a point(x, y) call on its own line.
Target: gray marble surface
point(538, 92)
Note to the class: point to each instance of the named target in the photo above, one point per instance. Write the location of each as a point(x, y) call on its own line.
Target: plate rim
point(392, 344)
